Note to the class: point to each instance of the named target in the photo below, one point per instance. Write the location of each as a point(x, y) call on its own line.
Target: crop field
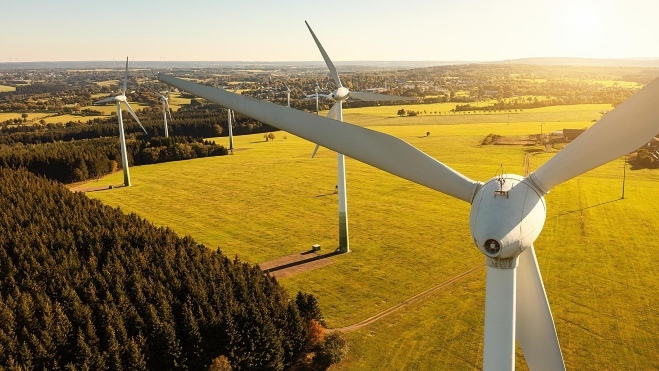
point(570, 116)
point(176, 101)
point(66, 118)
point(618, 83)
point(31, 115)
point(4, 88)
point(271, 199)
point(108, 83)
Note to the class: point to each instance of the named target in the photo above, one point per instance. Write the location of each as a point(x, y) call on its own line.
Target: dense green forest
point(84, 286)
point(79, 160)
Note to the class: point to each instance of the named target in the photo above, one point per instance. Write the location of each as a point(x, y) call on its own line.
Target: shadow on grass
point(303, 261)
point(534, 150)
point(589, 207)
point(327, 194)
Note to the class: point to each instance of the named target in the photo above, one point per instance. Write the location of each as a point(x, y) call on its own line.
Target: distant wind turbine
point(336, 112)
point(230, 124)
point(164, 98)
point(288, 95)
point(122, 138)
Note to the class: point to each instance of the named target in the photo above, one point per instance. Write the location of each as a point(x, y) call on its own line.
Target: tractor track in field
point(411, 300)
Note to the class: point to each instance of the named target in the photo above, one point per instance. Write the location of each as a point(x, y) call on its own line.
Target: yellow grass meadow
point(271, 199)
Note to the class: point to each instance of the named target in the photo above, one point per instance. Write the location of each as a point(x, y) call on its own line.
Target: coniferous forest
point(85, 286)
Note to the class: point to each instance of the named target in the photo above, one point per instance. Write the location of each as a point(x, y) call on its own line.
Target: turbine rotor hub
point(341, 94)
point(507, 215)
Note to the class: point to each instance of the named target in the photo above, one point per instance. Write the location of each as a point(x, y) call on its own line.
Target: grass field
point(271, 199)
point(66, 118)
point(4, 88)
point(31, 115)
point(569, 116)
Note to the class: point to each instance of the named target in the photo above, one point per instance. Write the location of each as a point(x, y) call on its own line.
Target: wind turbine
point(336, 112)
point(164, 98)
point(316, 96)
point(507, 211)
point(288, 95)
point(122, 138)
point(229, 124)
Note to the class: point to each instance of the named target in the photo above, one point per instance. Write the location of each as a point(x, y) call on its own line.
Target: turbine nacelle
point(120, 98)
point(507, 215)
point(341, 94)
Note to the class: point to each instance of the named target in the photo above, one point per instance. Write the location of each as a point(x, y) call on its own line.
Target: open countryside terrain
point(271, 199)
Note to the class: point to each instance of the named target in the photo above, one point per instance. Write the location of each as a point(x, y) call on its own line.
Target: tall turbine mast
point(122, 138)
point(336, 112)
point(164, 98)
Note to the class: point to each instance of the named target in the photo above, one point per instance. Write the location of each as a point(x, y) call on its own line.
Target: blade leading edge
point(535, 329)
point(328, 61)
point(377, 149)
point(135, 116)
point(125, 78)
point(628, 127)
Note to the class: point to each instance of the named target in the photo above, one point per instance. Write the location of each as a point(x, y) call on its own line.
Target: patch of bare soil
point(512, 140)
point(297, 263)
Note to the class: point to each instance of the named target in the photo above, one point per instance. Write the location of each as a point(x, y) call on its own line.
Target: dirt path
point(408, 301)
point(297, 263)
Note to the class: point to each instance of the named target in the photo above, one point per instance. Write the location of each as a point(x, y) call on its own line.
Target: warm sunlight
point(583, 31)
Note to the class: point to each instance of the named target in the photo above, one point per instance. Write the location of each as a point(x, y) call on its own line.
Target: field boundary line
point(416, 298)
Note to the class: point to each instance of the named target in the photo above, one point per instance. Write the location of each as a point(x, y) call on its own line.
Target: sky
point(354, 30)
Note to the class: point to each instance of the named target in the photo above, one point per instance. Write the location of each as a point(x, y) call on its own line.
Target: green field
point(4, 88)
point(31, 115)
point(271, 199)
point(578, 114)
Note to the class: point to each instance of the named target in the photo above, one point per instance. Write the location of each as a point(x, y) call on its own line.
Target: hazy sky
point(260, 30)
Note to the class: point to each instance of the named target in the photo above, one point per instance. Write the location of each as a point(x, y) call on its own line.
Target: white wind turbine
point(230, 124)
point(122, 138)
point(316, 96)
point(336, 112)
point(288, 95)
point(507, 211)
point(164, 98)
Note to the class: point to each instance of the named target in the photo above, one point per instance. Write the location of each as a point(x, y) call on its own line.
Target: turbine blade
point(371, 147)
point(378, 97)
point(315, 150)
point(333, 112)
point(499, 339)
point(328, 61)
point(628, 127)
point(168, 111)
point(125, 78)
point(535, 328)
point(135, 116)
point(105, 100)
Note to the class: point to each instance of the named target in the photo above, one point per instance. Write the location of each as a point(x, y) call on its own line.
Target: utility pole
point(624, 171)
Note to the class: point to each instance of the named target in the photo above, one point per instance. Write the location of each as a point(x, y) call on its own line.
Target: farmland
point(271, 199)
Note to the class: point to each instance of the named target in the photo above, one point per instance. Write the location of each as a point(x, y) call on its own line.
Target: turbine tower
point(122, 138)
point(230, 125)
point(164, 98)
point(507, 212)
point(336, 112)
point(288, 95)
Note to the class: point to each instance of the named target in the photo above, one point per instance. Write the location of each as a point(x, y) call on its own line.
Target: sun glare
point(582, 29)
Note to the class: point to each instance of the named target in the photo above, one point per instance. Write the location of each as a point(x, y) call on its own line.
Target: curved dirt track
point(406, 302)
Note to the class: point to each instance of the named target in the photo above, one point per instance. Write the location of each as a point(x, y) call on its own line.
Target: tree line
point(85, 286)
point(78, 160)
